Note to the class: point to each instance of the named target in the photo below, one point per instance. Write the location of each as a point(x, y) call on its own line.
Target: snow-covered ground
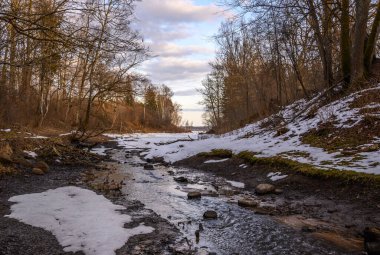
point(276, 176)
point(80, 219)
point(239, 185)
point(265, 142)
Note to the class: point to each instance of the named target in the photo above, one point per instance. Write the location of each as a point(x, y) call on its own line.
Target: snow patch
point(80, 219)
point(276, 176)
point(31, 154)
point(215, 161)
point(99, 151)
point(5, 130)
point(239, 185)
point(38, 137)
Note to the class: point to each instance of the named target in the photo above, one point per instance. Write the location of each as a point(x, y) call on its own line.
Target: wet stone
point(278, 191)
point(262, 211)
point(148, 167)
point(181, 179)
point(210, 215)
point(307, 229)
point(247, 203)
point(264, 188)
point(194, 195)
point(372, 240)
point(372, 248)
point(37, 171)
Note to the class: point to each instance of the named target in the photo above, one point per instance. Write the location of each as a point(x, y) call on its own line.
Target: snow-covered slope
point(266, 140)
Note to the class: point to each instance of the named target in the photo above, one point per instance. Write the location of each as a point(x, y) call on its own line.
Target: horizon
point(181, 37)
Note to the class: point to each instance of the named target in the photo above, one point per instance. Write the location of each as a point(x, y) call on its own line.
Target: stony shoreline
point(19, 238)
point(326, 209)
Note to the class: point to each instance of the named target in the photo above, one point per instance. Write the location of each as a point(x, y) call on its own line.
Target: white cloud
point(176, 11)
point(168, 49)
point(179, 33)
point(168, 69)
point(186, 93)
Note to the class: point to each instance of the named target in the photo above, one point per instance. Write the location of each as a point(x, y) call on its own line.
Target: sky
point(179, 35)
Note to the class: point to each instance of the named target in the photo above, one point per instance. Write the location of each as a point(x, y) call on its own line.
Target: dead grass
point(272, 122)
point(7, 170)
point(331, 138)
point(365, 99)
point(220, 153)
point(292, 166)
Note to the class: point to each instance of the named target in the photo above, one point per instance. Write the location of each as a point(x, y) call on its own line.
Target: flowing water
point(236, 230)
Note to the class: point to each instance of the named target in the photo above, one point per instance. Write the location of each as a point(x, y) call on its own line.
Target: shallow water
point(237, 230)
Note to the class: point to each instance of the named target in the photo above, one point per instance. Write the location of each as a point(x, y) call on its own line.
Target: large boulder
point(372, 241)
point(264, 188)
point(6, 152)
point(372, 248)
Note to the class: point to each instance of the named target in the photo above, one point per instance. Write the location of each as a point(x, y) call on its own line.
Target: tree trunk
point(324, 55)
point(372, 39)
point(345, 42)
point(360, 32)
point(3, 80)
point(12, 58)
point(327, 40)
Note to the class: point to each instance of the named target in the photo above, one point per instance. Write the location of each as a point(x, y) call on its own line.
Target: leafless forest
point(276, 51)
point(70, 64)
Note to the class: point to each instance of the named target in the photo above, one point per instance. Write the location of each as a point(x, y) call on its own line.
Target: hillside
point(343, 134)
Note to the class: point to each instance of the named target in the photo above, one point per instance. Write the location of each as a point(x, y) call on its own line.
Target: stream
point(237, 230)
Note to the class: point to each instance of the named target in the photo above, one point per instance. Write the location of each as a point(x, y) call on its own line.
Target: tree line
point(276, 51)
point(73, 63)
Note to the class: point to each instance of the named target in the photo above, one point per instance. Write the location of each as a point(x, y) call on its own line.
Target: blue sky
point(179, 32)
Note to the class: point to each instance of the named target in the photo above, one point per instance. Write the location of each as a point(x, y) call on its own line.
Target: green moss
point(294, 153)
point(312, 171)
point(332, 138)
point(327, 162)
point(345, 163)
point(332, 145)
point(217, 153)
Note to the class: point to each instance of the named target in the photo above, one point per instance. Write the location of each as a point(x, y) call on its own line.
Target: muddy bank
point(18, 238)
point(326, 209)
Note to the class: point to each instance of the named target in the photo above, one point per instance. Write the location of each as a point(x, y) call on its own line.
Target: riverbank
point(300, 214)
point(328, 209)
point(67, 166)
